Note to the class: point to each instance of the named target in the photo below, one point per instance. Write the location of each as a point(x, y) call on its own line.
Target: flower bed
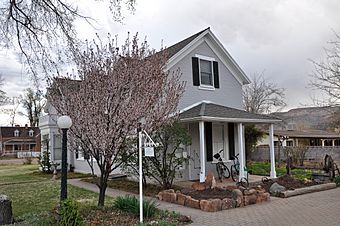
point(215, 199)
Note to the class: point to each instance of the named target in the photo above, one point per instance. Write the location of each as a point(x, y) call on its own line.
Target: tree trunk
point(144, 181)
point(102, 190)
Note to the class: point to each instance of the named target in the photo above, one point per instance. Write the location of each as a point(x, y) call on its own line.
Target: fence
point(314, 153)
point(21, 154)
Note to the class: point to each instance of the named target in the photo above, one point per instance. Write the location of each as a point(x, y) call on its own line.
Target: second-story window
point(205, 72)
point(31, 133)
point(16, 133)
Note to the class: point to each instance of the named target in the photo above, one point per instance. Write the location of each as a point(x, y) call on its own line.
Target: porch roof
point(307, 134)
point(214, 112)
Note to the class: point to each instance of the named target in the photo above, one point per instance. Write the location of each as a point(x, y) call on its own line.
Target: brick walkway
point(320, 208)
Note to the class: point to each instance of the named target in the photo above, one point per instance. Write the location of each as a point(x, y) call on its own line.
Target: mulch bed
point(289, 182)
point(215, 193)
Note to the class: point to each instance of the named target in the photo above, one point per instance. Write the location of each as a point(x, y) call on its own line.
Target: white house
point(211, 107)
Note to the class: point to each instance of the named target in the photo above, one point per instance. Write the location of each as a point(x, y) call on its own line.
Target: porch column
point(241, 149)
point(202, 151)
point(272, 151)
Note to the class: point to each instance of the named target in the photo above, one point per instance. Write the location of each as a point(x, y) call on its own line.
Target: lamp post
point(142, 122)
point(64, 123)
point(143, 139)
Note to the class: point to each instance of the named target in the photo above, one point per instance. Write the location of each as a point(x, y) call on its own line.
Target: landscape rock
point(249, 191)
point(6, 216)
point(198, 186)
point(193, 203)
point(181, 199)
point(170, 191)
point(160, 196)
point(263, 197)
point(184, 219)
point(211, 205)
point(276, 189)
point(213, 184)
point(209, 180)
point(227, 203)
point(250, 199)
point(169, 197)
point(237, 195)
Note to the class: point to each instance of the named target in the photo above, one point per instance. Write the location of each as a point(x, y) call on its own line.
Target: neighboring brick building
point(19, 139)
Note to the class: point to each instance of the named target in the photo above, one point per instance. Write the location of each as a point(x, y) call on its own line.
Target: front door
point(194, 152)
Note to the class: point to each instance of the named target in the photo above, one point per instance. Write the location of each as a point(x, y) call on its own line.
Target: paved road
point(316, 209)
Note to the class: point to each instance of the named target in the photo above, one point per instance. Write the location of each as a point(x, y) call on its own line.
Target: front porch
point(225, 183)
point(219, 129)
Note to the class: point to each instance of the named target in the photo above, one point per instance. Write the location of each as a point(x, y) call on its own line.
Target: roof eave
point(221, 119)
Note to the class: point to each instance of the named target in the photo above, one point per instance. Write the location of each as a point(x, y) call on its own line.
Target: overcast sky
point(276, 37)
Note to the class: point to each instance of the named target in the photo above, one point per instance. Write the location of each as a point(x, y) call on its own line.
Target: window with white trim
point(16, 133)
point(206, 73)
point(30, 133)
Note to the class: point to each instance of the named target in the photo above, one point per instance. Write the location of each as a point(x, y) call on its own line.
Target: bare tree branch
point(262, 96)
point(326, 74)
point(43, 31)
point(3, 97)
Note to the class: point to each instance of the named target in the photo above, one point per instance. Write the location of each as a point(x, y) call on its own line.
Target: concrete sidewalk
point(315, 209)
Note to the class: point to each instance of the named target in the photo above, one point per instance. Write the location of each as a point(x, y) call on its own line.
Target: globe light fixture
point(64, 122)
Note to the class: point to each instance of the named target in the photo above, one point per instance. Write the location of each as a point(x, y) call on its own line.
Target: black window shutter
point(216, 75)
point(208, 140)
point(231, 136)
point(195, 72)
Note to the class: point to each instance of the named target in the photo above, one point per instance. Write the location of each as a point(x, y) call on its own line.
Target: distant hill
point(322, 118)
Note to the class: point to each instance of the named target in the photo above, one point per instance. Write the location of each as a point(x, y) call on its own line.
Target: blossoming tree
point(114, 89)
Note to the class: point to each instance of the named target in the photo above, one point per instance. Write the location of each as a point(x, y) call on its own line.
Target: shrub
point(337, 181)
point(130, 204)
point(69, 214)
point(28, 160)
point(44, 162)
point(168, 159)
point(298, 153)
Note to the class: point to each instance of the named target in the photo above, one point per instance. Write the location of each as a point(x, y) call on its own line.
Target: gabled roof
point(172, 50)
point(179, 50)
point(212, 112)
point(7, 132)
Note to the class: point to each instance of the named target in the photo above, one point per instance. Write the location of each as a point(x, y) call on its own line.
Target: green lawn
point(42, 196)
point(11, 174)
point(35, 195)
point(263, 169)
point(7, 157)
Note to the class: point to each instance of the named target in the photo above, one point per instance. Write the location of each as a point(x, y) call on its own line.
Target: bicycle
point(221, 168)
point(235, 172)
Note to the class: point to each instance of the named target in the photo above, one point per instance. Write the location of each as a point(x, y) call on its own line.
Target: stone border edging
point(305, 190)
point(239, 199)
